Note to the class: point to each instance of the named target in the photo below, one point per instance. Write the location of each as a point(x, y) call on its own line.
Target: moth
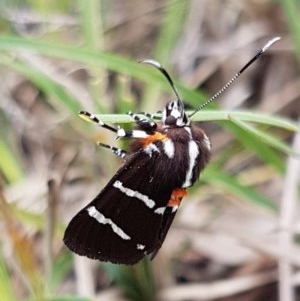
point(132, 214)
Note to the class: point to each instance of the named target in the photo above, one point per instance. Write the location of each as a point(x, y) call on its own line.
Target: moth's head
point(174, 114)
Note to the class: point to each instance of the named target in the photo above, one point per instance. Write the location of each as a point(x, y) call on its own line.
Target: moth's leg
point(155, 116)
point(115, 150)
point(142, 133)
point(92, 118)
point(147, 125)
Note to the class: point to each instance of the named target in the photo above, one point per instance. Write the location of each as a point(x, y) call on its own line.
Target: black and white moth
point(131, 216)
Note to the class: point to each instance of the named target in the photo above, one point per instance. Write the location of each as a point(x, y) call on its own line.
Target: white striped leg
point(151, 116)
point(140, 120)
point(117, 151)
point(119, 131)
point(92, 118)
point(145, 124)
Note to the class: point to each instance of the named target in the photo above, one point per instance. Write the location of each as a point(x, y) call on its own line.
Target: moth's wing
point(167, 220)
point(121, 228)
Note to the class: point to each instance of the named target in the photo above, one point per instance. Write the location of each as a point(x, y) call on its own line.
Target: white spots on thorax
point(100, 218)
point(188, 129)
point(169, 148)
point(133, 193)
point(150, 148)
point(193, 154)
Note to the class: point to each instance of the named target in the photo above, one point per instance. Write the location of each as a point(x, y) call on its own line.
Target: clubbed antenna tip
point(159, 67)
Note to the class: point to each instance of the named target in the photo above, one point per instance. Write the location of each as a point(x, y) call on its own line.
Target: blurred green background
point(59, 57)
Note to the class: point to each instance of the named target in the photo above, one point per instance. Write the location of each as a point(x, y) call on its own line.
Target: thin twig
point(49, 231)
point(287, 217)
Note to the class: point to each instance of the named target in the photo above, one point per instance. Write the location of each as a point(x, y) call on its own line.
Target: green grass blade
point(171, 27)
point(6, 290)
point(61, 268)
point(275, 121)
point(55, 91)
point(91, 24)
point(254, 117)
point(266, 137)
point(9, 164)
point(92, 32)
point(262, 150)
point(232, 185)
point(98, 59)
point(291, 9)
point(136, 281)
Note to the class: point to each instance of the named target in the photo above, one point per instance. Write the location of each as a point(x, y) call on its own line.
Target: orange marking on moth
point(152, 138)
point(176, 197)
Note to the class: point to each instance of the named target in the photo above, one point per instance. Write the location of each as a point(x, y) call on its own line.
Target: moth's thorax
point(178, 154)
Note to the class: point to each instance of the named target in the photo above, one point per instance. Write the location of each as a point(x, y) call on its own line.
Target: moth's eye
point(170, 120)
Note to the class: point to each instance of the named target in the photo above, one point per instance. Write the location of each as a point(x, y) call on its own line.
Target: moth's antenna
point(270, 42)
point(159, 67)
